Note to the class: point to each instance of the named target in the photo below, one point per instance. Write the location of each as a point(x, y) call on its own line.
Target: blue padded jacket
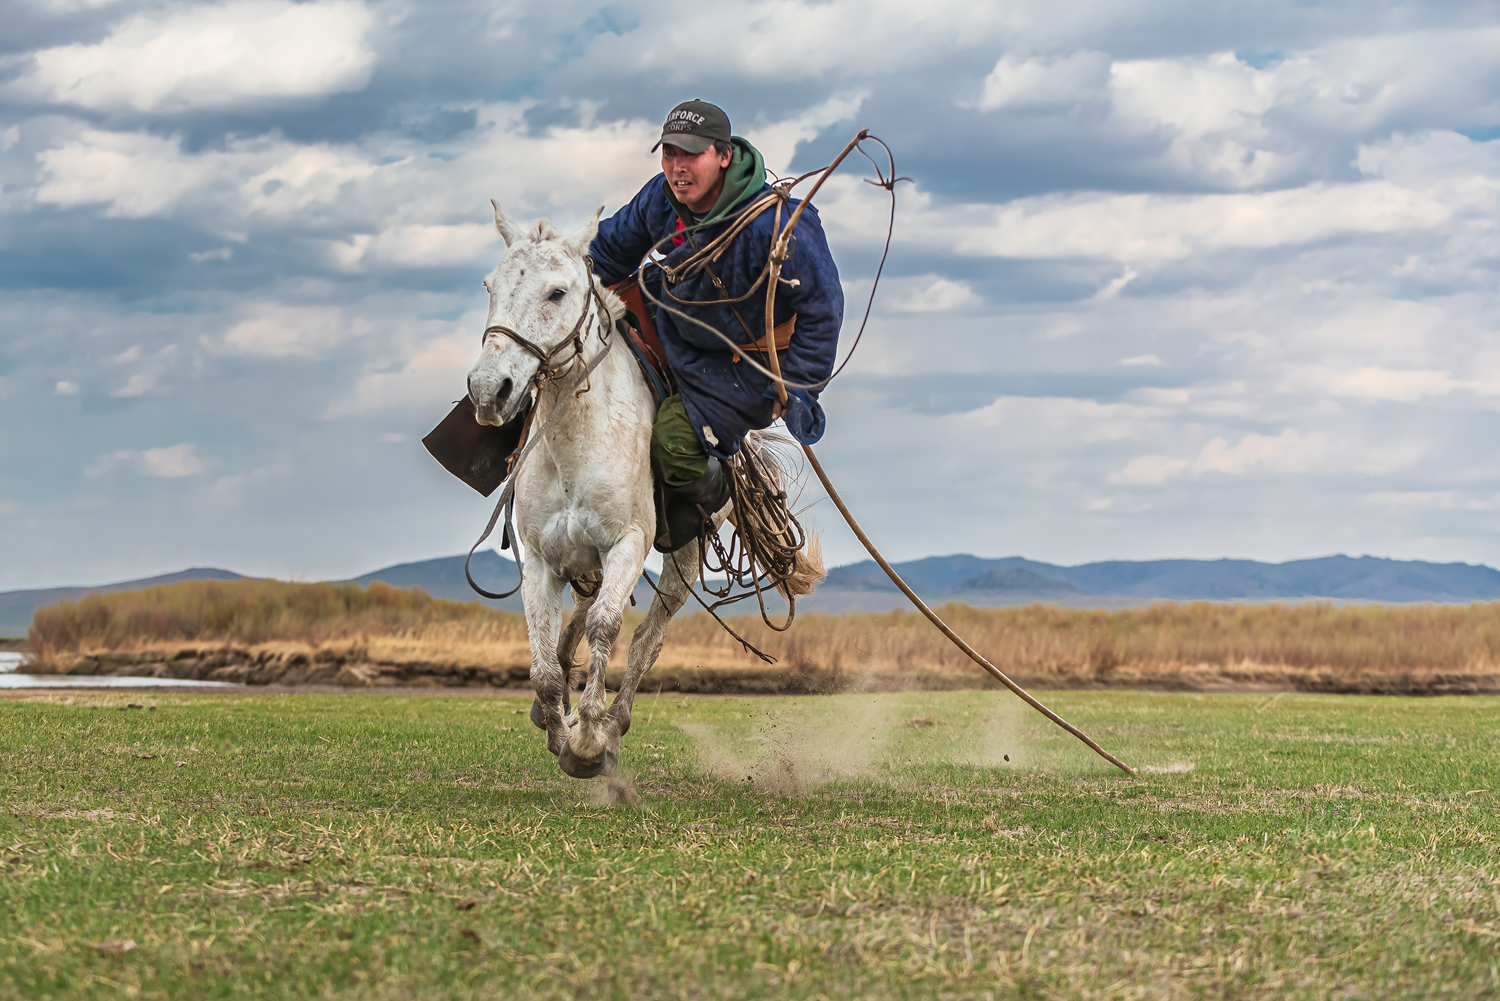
point(724, 398)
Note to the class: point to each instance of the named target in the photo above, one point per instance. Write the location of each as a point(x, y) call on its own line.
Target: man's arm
point(625, 236)
point(818, 301)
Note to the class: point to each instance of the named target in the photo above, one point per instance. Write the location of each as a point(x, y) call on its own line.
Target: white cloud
point(169, 463)
point(1230, 124)
point(1149, 470)
point(1289, 451)
point(1142, 227)
point(1192, 97)
point(777, 140)
point(788, 39)
point(933, 294)
point(65, 388)
point(426, 383)
point(1055, 418)
point(418, 247)
point(276, 331)
point(1137, 360)
point(1115, 286)
point(68, 6)
point(1374, 383)
point(138, 384)
point(1044, 81)
point(147, 379)
point(136, 175)
point(389, 205)
point(1218, 456)
point(210, 56)
point(172, 462)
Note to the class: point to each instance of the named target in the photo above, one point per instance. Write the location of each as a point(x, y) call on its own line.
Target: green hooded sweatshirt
point(744, 178)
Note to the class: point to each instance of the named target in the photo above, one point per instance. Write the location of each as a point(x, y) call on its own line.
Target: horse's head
point(538, 291)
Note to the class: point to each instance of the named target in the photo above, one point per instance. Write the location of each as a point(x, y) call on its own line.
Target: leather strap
point(629, 292)
point(782, 337)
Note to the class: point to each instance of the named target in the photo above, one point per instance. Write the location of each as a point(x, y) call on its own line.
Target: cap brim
point(683, 141)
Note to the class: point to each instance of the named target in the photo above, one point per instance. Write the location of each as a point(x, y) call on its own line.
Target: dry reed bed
point(383, 635)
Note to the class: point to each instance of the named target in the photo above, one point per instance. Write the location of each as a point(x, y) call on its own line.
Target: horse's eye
point(557, 295)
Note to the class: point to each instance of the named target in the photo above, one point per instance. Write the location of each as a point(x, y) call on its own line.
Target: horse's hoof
point(581, 769)
point(536, 715)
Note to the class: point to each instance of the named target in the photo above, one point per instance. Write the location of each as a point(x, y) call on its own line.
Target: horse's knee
point(550, 685)
point(602, 627)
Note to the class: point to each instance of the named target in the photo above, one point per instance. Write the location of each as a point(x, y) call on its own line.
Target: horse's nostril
point(503, 394)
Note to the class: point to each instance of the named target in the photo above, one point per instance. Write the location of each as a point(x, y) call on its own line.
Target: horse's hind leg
point(679, 571)
point(591, 748)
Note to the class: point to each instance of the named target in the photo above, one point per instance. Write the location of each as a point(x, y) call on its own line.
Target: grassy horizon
point(1311, 645)
point(268, 846)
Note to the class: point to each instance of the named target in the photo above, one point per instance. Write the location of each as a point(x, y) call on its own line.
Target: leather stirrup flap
point(476, 453)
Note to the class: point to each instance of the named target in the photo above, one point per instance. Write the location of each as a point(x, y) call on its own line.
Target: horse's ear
point(578, 243)
point(509, 231)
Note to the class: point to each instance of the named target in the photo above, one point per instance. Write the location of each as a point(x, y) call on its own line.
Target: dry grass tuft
point(257, 612)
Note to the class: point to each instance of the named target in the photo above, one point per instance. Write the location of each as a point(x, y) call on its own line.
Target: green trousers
point(677, 456)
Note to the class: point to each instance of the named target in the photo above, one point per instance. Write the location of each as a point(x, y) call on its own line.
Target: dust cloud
point(791, 747)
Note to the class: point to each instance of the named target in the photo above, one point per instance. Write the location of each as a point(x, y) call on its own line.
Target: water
point(10, 679)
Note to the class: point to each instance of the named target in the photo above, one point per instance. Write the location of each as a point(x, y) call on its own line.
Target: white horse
point(584, 507)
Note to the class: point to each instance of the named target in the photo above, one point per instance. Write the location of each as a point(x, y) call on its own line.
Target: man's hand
point(778, 410)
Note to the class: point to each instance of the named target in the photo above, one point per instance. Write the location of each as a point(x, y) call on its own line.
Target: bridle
point(547, 369)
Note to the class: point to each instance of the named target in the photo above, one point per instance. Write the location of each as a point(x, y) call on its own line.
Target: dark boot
point(690, 509)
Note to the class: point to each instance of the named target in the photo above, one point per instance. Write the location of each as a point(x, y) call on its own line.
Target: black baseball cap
point(693, 126)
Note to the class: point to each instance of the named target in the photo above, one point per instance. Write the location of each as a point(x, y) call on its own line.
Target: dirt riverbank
point(352, 666)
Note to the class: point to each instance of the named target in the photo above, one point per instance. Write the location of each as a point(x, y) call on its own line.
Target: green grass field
point(427, 847)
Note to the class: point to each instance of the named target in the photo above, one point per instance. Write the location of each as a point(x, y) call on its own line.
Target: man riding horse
point(707, 176)
point(605, 423)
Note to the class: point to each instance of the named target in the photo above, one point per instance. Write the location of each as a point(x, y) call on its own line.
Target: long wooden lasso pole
point(778, 257)
point(944, 628)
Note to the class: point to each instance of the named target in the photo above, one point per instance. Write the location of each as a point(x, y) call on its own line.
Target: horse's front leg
point(592, 748)
point(541, 594)
point(571, 634)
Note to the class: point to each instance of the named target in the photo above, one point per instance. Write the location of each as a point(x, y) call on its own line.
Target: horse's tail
point(807, 568)
point(773, 454)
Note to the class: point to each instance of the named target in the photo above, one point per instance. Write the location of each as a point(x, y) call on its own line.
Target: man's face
point(698, 179)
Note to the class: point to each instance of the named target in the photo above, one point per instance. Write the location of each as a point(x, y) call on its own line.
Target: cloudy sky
point(1173, 280)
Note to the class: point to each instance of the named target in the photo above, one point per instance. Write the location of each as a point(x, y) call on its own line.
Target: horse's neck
point(588, 410)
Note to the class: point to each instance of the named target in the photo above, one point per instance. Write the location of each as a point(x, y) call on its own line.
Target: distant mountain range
point(1366, 578)
point(1012, 580)
point(444, 578)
